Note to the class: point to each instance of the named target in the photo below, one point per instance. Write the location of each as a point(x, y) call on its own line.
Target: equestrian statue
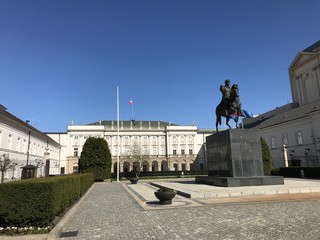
point(230, 105)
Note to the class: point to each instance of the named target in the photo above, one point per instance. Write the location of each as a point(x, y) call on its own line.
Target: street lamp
point(14, 164)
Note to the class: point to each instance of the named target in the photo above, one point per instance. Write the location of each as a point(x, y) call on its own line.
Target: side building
point(25, 145)
point(292, 131)
point(168, 146)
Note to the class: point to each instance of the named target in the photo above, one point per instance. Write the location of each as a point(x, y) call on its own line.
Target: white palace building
point(292, 132)
point(169, 146)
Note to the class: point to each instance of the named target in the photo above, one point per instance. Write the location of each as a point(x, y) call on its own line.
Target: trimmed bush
point(295, 172)
point(96, 158)
point(36, 202)
point(275, 172)
point(161, 174)
point(266, 158)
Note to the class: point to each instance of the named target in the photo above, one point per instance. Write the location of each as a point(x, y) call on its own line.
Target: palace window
point(154, 150)
point(299, 138)
point(10, 142)
point(75, 152)
point(154, 140)
point(163, 150)
point(144, 149)
point(285, 139)
point(145, 140)
point(273, 142)
point(174, 139)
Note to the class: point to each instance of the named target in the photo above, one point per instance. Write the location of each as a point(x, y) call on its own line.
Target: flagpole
point(132, 111)
point(118, 140)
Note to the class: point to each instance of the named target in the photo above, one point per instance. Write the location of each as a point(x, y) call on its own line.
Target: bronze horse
point(234, 108)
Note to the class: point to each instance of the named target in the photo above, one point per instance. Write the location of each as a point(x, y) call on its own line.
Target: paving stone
point(110, 212)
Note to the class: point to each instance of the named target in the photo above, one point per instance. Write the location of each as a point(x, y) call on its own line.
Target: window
point(285, 139)
point(273, 142)
point(126, 140)
point(154, 150)
point(145, 140)
point(174, 139)
point(182, 138)
point(163, 150)
point(183, 167)
point(76, 137)
point(75, 152)
point(162, 139)
point(175, 165)
point(182, 151)
point(135, 140)
point(174, 152)
point(24, 145)
point(154, 140)
point(190, 151)
point(18, 144)
point(75, 169)
point(190, 139)
point(299, 138)
point(126, 150)
point(10, 142)
point(115, 150)
point(145, 150)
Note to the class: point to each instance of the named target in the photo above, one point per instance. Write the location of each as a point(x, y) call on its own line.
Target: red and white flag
point(130, 102)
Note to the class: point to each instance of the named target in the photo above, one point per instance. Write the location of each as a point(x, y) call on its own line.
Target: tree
point(5, 164)
point(96, 158)
point(138, 157)
point(266, 158)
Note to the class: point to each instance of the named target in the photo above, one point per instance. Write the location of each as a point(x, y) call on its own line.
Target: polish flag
point(130, 102)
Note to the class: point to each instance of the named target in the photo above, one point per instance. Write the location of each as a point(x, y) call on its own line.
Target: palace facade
point(168, 146)
point(292, 131)
point(25, 146)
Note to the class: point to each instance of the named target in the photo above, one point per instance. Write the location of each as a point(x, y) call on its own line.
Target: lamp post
point(13, 169)
point(285, 155)
point(28, 147)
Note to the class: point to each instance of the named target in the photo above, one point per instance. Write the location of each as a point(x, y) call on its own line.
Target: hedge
point(36, 202)
point(161, 173)
point(308, 172)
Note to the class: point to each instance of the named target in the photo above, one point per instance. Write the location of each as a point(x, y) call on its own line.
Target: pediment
point(300, 58)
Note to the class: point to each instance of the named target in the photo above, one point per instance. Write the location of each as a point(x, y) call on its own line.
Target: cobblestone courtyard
point(110, 212)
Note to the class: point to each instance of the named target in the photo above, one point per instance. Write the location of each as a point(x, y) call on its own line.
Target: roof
point(256, 121)
point(135, 124)
point(4, 112)
point(291, 115)
point(313, 47)
point(309, 51)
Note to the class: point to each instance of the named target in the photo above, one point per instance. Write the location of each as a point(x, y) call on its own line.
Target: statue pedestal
point(234, 159)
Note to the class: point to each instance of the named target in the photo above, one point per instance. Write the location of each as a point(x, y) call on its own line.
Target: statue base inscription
point(234, 159)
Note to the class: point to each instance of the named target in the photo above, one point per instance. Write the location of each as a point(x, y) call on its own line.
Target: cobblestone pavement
point(110, 212)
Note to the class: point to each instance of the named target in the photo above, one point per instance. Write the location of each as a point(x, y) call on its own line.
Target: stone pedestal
point(234, 158)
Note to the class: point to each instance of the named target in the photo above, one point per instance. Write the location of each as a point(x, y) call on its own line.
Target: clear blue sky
point(63, 60)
